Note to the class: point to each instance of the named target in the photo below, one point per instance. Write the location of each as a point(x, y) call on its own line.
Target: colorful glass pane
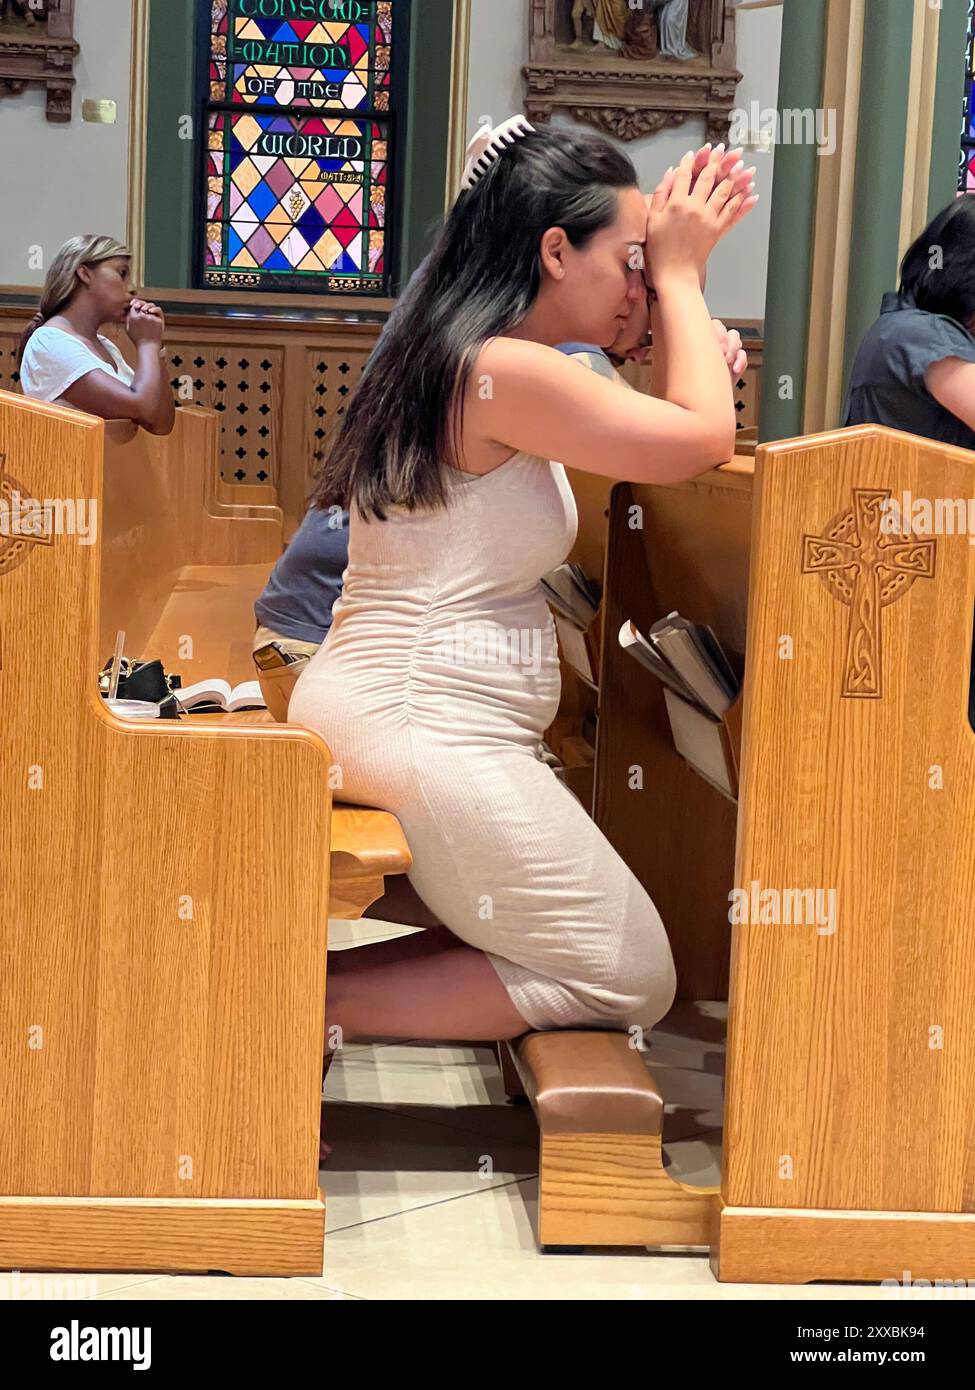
point(296, 176)
point(292, 199)
point(318, 54)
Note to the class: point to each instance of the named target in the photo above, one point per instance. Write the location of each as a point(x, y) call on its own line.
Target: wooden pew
point(850, 1132)
point(164, 898)
point(180, 571)
point(599, 1107)
point(684, 546)
point(848, 1143)
point(602, 1178)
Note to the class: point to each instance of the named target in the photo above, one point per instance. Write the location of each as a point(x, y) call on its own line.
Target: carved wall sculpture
point(37, 48)
point(631, 70)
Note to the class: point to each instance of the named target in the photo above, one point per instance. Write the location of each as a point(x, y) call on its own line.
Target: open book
point(207, 697)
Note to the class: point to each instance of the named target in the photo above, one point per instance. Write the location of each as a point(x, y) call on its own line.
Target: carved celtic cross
point(18, 531)
point(866, 569)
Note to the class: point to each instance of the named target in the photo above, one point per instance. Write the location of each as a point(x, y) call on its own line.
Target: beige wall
point(61, 180)
point(736, 277)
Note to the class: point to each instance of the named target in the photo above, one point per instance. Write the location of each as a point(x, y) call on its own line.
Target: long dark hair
point(401, 430)
point(949, 287)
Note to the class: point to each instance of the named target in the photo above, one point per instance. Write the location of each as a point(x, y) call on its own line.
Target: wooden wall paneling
point(747, 388)
point(334, 371)
point(243, 383)
point(9, 375)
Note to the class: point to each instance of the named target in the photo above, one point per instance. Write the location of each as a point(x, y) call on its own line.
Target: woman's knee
point(651, 994)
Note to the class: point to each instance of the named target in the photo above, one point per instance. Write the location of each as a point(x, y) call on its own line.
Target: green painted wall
point(884, 90)
point(424, 170)
point(792, 218)
point(170, 160)
point(947, 104)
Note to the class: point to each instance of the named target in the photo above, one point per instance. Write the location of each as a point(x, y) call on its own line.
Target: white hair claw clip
point(489, 144)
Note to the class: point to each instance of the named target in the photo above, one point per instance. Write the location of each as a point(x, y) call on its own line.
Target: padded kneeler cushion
point(582, 1082)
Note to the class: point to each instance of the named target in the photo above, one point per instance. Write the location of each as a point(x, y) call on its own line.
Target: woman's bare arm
point(538, 402)
point(99, 393)
point(149, 400)
point(952, 383)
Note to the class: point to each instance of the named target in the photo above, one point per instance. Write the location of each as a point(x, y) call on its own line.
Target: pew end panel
point(853, 938)
point(599, 1110)
point(165, 899)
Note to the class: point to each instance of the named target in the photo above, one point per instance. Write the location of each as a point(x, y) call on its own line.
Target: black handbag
point(146, 681)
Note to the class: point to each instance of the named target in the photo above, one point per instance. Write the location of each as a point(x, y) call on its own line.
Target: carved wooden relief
point(866, 568)
point(630, 70)
point(22, 527)
point(37, 48)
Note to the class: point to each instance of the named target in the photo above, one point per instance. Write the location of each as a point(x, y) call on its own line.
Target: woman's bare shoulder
point(521, 357)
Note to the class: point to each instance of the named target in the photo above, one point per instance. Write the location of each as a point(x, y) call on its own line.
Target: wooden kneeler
point(602, 1179)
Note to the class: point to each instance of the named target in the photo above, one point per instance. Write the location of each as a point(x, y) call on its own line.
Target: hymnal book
point(700, 687)
point(574, 599)
point(693, 651)
point(709, 647)
point(215, 695)
point(572, 593)
point(702, 741)
point(633, 641)
point(574, 644)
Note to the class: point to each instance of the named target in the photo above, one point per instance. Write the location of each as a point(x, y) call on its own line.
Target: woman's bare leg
point(437, 989)
point(426, 985)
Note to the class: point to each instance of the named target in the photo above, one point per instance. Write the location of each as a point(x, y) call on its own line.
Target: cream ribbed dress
point(433, 689)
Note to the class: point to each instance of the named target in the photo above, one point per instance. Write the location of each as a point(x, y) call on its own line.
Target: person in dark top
point(915, 369)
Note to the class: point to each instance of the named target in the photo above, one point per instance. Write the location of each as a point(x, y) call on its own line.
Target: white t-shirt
point(54, 360)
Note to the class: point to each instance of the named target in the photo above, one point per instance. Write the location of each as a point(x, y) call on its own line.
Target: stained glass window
point(966, 169)
point(299, 117)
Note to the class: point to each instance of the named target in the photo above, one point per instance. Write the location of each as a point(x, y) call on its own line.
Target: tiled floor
point(432, 1182)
